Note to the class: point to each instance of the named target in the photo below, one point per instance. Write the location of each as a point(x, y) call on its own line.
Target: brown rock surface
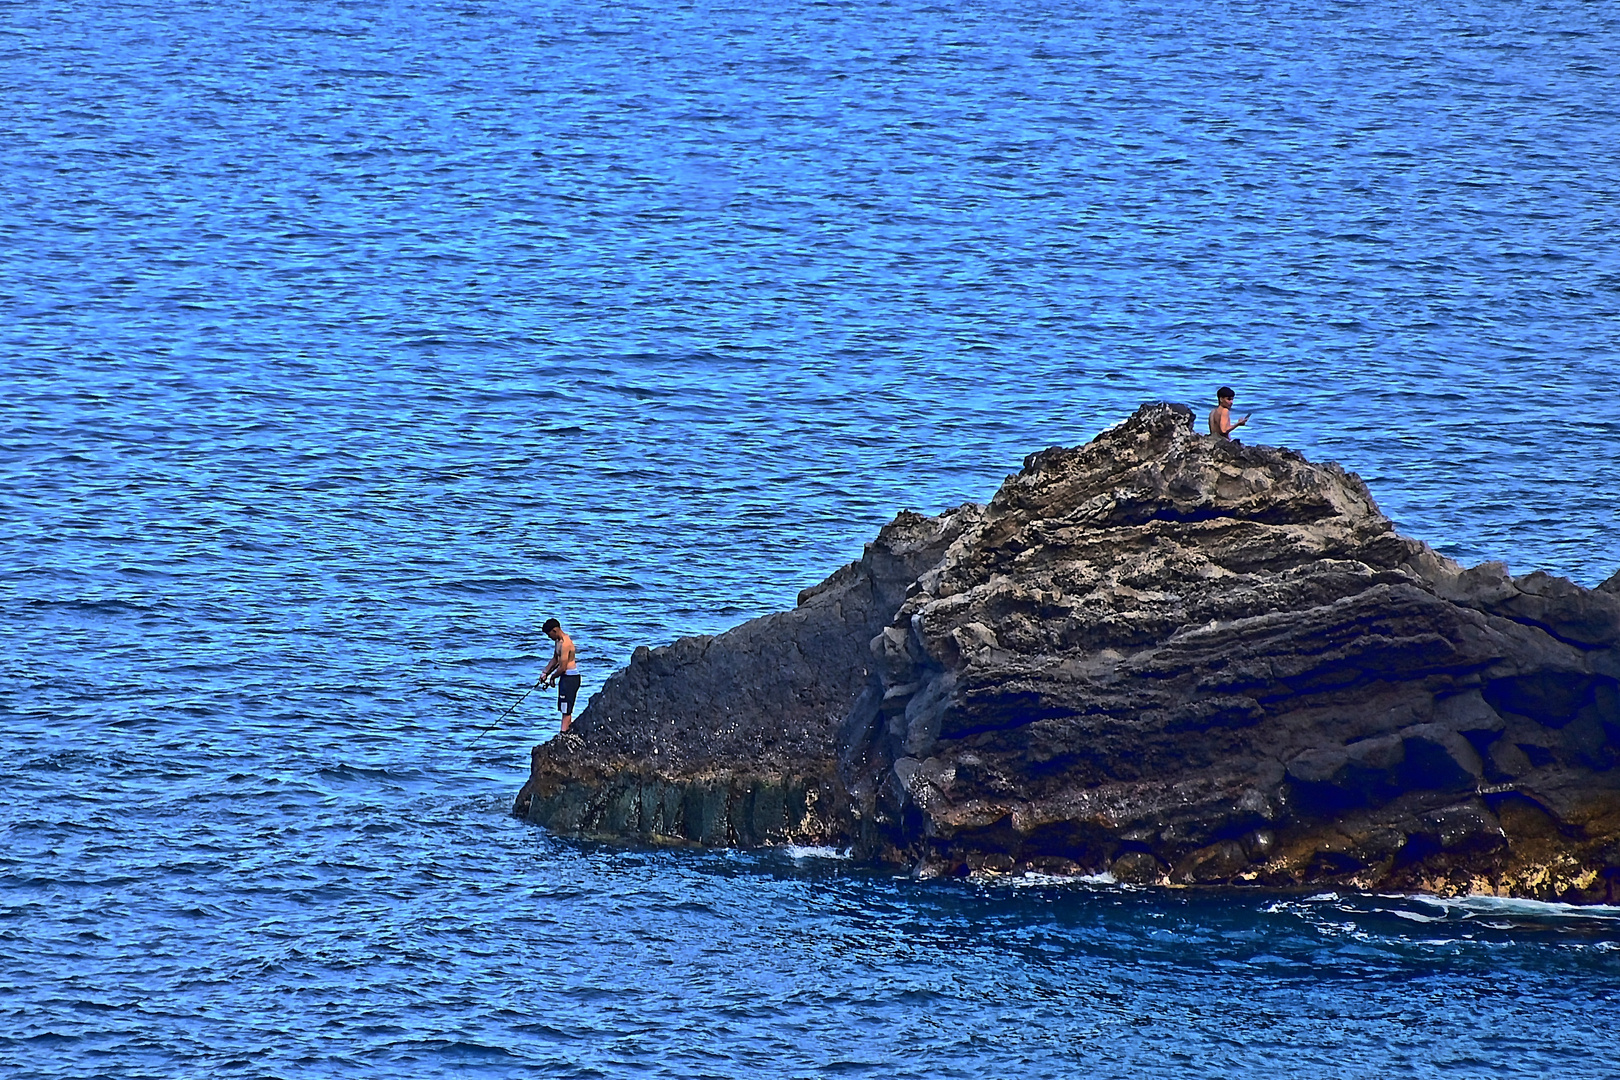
point(1173, 657)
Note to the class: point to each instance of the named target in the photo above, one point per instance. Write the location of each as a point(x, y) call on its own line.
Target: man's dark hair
point(551, 624)
point(1225, 391)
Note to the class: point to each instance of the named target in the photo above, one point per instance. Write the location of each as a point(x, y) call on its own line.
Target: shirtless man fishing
point(1220, 417)
point(563, 670)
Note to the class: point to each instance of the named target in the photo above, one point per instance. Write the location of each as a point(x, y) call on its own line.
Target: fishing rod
point(503, 716)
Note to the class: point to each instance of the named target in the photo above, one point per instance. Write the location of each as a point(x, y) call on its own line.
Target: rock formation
point(730, 739)
point(1171, 657)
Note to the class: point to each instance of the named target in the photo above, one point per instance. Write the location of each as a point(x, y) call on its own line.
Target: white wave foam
point(1032, 877)
point(1412, 916)
point(811, 851)
point(1479, 904)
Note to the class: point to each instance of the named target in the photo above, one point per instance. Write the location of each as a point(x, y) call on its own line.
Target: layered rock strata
point(1171, 657)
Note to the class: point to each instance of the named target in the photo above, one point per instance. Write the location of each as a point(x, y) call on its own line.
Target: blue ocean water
point(347, 341)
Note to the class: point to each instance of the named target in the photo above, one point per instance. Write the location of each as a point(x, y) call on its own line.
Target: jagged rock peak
point(1155, 466)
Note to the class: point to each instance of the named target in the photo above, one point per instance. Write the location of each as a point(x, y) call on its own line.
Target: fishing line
point(503, 716)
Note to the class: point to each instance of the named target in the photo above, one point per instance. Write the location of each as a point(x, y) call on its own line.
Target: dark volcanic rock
point(1173, 657)
point(730, 739)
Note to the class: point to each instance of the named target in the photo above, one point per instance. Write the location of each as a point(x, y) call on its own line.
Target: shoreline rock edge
point(1171, 658)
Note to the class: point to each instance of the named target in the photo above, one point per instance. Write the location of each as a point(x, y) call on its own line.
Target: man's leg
point(567, 690)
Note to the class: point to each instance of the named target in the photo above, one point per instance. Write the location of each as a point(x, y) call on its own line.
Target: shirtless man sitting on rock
point(1220, 417)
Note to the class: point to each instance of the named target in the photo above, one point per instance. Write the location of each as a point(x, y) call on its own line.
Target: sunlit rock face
point(1163, 655)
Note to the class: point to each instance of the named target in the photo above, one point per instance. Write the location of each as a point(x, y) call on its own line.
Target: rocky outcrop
point(730, 739)
point(1171, 657)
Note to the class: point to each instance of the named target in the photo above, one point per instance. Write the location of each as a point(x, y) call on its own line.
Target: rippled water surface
point(345, 342)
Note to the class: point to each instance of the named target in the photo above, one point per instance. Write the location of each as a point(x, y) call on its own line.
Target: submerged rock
point(1170, 657)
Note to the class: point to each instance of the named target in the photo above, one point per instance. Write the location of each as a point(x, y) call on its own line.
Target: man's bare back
point(1220, 417)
